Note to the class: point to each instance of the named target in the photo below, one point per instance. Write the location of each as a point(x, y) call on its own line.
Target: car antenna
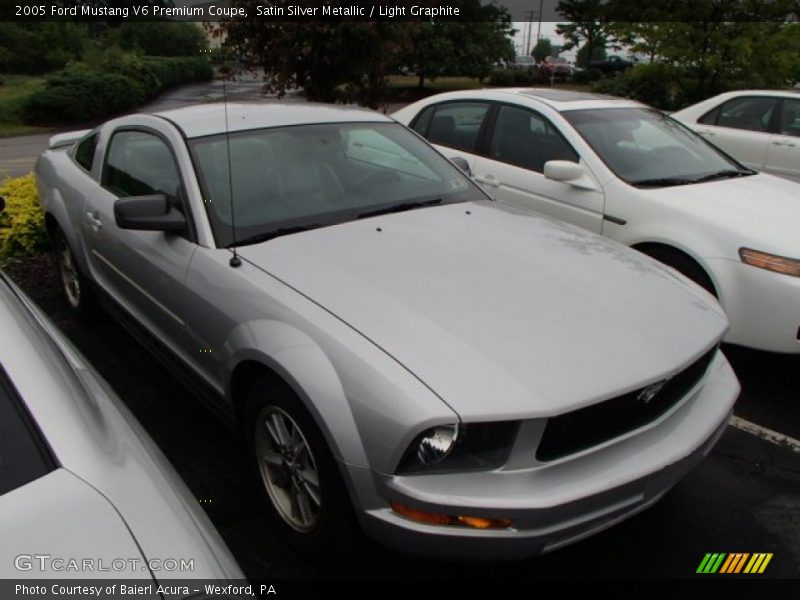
point(235, 260)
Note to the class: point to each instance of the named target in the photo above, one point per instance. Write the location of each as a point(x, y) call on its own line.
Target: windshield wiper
point(663, 182)
point(399, 208)
point(724, 174)
point(268, 235)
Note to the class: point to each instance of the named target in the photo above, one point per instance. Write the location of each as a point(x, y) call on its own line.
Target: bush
point(22, 231)
point(501, 78)
point(78, 94)
point(87, 92)
point(648, 83)
point(587, 75)
point(522, 77)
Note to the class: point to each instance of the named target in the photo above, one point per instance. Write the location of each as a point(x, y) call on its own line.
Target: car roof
point(787, 93)
point(219, 117)
point(557, 99)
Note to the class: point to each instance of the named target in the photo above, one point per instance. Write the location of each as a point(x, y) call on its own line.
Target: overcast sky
point(548, 30)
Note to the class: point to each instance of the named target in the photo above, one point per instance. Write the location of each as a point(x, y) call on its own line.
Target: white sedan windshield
point(646, 148)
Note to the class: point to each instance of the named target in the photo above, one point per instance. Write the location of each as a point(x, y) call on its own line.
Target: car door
point(783, 155)
point(742, 127)
point(521, 141)
point(142, 270)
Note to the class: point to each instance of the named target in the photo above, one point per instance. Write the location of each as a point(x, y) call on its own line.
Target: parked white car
point(630, 172)
point(760, 128)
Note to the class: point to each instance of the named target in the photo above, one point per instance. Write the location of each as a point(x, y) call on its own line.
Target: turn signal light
point(423, 516)
point(770, 262)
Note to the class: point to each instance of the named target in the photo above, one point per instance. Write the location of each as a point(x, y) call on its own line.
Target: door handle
point(94, 221)
point(489, 180)
point(788, 144)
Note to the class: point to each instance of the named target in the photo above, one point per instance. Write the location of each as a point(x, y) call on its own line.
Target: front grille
point(598, 423)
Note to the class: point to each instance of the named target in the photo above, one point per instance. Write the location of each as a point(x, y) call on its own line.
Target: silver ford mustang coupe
point(400, 352)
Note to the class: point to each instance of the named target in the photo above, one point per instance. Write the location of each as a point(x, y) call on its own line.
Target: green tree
point(468, 47)
point(350, 59)
point(582, 57)
point(328, 60)
point(38, 47)
point(542, 49)
point(705, 47)
point(158, 38)
point(586, 27)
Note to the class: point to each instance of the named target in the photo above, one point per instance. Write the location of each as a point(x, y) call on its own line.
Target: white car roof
point(560, 100)
point(210, 119)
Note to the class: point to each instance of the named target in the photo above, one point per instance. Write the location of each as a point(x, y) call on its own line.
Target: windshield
point(647, 148)
point(288, 179)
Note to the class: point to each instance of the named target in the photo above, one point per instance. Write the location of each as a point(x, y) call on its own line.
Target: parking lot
point(745, 497)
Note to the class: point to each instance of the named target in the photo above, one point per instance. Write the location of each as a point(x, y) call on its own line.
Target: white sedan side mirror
point(562, 170)
point(569, 172)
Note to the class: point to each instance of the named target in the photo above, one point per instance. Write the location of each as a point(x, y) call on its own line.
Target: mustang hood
point(501, 313)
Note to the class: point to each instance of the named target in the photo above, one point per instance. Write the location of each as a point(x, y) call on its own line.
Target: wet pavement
point(745, 497)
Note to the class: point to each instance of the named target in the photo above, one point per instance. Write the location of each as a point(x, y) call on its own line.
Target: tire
point(685, 265)
point(300, 481)
point(76, 288)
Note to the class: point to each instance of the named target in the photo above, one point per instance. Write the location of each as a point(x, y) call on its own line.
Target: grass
point(440, 84)
point(13, 91)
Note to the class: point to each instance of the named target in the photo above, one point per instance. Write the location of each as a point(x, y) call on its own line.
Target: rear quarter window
point(84, 152)
point(23, 453)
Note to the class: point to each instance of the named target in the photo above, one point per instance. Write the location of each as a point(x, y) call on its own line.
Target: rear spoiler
point(66, 139)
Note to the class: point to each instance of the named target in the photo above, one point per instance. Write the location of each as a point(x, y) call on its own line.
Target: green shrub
point(22, 231)
point(78, 94)
point(522, 77)
point(587, 75)
point(501, 78)
point(649, 83)
point(86, 92)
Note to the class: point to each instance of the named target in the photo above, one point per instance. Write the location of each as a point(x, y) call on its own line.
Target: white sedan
point(630, 172)
point(760, 128)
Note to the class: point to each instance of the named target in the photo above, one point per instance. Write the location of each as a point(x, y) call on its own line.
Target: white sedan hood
point(502, 314)
point(762, 209)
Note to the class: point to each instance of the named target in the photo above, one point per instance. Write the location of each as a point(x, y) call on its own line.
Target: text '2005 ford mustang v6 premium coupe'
point(400, 352)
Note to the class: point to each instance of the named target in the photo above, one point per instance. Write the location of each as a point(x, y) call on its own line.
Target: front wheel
point(296, 473)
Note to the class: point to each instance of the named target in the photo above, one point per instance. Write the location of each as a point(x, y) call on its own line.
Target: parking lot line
point(764, 433)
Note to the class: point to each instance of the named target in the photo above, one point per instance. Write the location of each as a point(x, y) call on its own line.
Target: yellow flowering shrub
point(22, 231)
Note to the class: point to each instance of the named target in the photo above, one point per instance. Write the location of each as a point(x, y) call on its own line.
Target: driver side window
point(526, 139)
point(139, 164)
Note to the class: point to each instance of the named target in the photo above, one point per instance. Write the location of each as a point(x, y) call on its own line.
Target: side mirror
point(2, 204)
point(462, 164)
point(148, 213)
point(562, 170)
point(569, 172)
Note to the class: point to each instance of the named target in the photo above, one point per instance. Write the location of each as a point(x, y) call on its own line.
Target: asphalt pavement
point(745, 496)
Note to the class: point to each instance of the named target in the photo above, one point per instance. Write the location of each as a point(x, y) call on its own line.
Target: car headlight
point(459, 447)
point(770, 262)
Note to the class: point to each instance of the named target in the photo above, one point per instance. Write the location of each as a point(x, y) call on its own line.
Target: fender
point(54, 207)
point(303, 365)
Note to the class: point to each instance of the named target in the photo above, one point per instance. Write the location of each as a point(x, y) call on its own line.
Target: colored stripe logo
point(734, 563)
